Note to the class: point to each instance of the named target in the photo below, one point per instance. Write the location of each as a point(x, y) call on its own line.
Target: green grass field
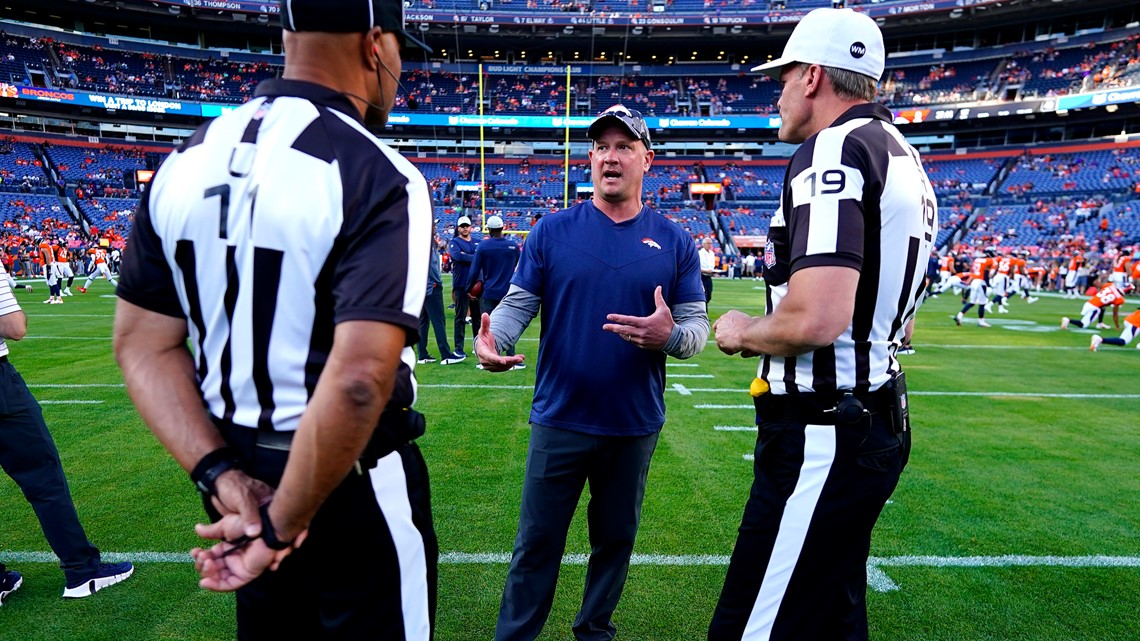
point(1016, 519)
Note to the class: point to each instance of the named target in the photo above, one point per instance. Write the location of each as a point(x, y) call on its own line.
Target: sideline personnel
point(258, 241)
point(594, 418)
point(28, 455)
point(844, 264)
point(495, 260)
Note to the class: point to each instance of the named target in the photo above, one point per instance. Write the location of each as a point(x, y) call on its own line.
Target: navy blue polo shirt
point(494, 264)
point(584, 266)
point(462, 253)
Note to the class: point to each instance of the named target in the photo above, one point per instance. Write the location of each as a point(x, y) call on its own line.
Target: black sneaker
point(107, 575)
point(10, 581)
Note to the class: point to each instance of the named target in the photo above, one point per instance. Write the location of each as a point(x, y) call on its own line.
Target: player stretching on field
point(101, 267)
point(1108, 295)
point(1131, 330)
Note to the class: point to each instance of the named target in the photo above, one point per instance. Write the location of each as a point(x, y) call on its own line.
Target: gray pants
point(558, 464)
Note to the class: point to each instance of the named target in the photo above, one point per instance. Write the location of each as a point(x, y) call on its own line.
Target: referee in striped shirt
point(291, 248)
point(844, 266)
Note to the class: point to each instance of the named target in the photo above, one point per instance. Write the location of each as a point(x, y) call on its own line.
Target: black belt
point(395, 428)
point(823, 409)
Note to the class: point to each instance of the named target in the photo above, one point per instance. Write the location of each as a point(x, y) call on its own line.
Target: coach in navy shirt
point(462, 251)
point(619, 286)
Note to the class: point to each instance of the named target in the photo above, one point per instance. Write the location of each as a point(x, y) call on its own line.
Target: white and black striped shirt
point(8, 304)
point(268, 227)
point(855, 195)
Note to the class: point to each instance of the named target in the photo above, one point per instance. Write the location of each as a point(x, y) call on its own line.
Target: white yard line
point(681, 365)
point(73, 385)
point(877, 579)
point(681, 389)
point(734, 428)
point(71, 402)
point(690, 376)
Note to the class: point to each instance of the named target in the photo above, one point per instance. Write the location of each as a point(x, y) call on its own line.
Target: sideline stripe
point(1035, 347)
point(71, 402)
point(691, 376)
point(69, 338)
point(448, 386)
point(684, 391)
point(489, 558)
point(73, 385)
point(749, 457)
point(72, 315)
point(928, 393)
point(681, 365)
point(735, 428)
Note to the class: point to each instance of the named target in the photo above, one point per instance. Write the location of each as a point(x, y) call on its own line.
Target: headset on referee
point(290, 247)
point(844, 266)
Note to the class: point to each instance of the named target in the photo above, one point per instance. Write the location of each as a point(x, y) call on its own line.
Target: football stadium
point(1016, 516)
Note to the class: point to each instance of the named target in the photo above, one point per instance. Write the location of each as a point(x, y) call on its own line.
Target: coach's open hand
point(489, 357)
point(646, 332)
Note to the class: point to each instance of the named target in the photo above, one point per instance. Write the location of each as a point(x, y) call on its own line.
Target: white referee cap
point(839, 38)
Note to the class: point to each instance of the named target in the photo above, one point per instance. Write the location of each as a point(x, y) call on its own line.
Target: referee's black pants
point(799, 568)
point(368, 569)
point(707, 284)
point(28, 455)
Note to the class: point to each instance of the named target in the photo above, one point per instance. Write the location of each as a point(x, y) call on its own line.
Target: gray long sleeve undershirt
point(518, 309)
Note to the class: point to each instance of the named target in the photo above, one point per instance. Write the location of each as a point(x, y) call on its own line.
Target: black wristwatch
point(213, 465)
point(269, 533)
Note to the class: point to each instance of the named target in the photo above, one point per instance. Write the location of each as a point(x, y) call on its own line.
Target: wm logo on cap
point(858, 50)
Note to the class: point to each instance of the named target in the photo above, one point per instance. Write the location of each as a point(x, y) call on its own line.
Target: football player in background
point(1108, 295)
point(979, 281)
point(1131, 330)
point(99, 255)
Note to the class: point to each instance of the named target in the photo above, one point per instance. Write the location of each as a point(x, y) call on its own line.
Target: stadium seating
point(20, 171)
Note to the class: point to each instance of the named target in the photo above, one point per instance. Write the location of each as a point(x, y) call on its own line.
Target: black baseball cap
point(631, 118)
point(348, 16)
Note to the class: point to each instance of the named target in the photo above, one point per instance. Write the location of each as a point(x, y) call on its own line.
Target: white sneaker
point(518, 366)
point(989, 308)
point(1101, 326)
point(1064, 322)
point(67, 292)
point(1003, 310)
point(1096, 341)
point(958, 318)
point(982, 323)
point(107, 575)
point(1031, 300)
